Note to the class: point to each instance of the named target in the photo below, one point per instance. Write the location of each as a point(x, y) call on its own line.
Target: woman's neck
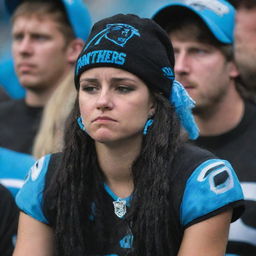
point(116, 163)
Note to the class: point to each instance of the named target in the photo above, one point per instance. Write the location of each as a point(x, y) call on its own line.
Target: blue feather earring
point(80, 123)
point(147, 125)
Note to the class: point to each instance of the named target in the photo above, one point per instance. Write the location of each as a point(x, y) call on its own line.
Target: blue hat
point(218, 15)
point(77, 13)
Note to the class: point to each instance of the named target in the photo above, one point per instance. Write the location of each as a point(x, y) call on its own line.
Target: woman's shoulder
point(187, 158)
point(54, 163)
point(193, 152)
point(205, 185)
point(30, 197)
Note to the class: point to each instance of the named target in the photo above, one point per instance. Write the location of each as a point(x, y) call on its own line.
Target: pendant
point(119, 207)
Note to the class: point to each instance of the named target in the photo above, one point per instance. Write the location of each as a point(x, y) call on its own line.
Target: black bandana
point(137, 45)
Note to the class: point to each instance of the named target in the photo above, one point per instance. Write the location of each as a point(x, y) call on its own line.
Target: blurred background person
point(202, 37)
point(39, 28)
point(245, 41)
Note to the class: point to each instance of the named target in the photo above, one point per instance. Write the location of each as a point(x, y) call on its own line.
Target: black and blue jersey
point(204, 186)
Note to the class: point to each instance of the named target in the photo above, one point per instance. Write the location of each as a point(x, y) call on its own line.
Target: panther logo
point(117, 33)
point(168, 72)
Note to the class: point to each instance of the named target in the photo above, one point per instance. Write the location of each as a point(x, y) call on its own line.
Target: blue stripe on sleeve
point(29, 198)
point(212, 185)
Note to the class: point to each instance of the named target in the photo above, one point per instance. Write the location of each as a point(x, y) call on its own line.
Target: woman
point(126, 184)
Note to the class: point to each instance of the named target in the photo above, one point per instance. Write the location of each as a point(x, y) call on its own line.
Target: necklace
point(119, 207)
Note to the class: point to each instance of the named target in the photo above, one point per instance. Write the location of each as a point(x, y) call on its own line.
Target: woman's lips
point(103, 119)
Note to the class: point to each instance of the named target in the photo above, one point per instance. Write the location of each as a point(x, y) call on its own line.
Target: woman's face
point(114, 104)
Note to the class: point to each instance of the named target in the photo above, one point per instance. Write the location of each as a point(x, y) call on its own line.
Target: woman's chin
point(103, 138)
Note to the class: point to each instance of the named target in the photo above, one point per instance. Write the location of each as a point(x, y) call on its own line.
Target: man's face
point(245, 46)
point(39, 51)
point(203, 71)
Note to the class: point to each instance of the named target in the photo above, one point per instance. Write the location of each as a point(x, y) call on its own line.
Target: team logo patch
point(219, 176)
point(119, 208)
point(213, 5)
point(117, 33)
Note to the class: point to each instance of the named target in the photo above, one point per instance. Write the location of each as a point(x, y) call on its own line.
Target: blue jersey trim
point(29, 198)
point(212, 185)
point(14, 167)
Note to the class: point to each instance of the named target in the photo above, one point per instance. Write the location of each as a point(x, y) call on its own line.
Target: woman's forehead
point(108, 72)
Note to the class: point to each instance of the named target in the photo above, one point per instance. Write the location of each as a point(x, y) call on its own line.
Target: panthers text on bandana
point(101, 56)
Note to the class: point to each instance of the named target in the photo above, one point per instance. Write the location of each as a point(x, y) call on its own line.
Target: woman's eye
point(124, 89)
point(89, 89)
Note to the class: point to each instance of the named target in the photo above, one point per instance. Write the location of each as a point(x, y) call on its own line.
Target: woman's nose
point(105, 100)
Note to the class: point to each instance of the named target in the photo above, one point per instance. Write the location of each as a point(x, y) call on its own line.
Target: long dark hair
point(78, 181)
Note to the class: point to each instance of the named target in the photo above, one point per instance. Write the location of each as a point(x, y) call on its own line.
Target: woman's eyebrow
point(114, 79)
point(92, 80)
point(119, 79)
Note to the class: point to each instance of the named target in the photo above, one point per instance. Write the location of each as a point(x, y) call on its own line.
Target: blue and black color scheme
point(208, 188)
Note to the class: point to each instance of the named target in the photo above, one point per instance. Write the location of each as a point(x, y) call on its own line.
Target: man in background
point(245, 42)
point(47, 38)
point(202, 37)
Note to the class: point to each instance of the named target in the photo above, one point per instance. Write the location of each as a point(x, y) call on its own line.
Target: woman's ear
point(152, 108)
point(151, 113)
point(73, 50)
